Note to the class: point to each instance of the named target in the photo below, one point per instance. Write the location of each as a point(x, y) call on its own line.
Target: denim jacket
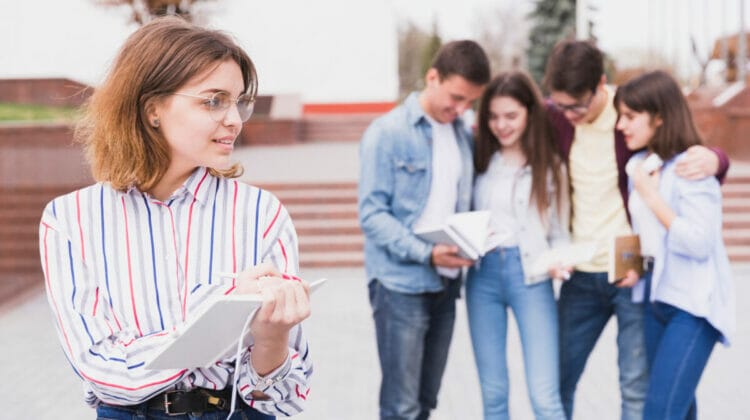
point(691, 267)
point(535, 234)
point(394, 183)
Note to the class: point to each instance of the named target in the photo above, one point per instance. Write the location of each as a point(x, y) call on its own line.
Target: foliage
point(416, 49)
point(22, 112)
point(552, 20)
point(145, 10)
point(503, 33)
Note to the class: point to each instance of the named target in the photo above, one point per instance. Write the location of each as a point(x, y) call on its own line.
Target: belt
point(196, 401)
point(648, 263)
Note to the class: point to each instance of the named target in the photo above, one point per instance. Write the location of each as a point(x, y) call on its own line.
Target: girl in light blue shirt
point(687, 284)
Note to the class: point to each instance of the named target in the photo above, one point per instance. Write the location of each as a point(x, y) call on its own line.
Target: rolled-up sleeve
point(698, 220)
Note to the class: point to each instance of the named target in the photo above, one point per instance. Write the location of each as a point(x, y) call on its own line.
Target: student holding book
point(582, 112)
point(687, 285)
point(128, 260)
point(522, 181)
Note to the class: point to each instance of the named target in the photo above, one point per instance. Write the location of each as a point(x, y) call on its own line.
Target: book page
point(566, 255)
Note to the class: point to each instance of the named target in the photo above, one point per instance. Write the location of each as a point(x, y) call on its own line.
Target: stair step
point(332, 259)
point(318, 199)
point(734, 204)
point(736, 190)
point(741, 179)
point(736, 237)
point(738, 253)
point(305, 186)
point(736, 220)
point(331, 243)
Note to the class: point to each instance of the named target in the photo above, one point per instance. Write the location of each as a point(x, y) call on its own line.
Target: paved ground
point(38, 383)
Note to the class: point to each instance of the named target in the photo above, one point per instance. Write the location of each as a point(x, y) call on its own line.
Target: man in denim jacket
point(416, 169)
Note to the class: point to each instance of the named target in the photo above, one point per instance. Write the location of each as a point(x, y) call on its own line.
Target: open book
point(211, 333)
point(624, 254)
point(468, 231)
point(565, 255)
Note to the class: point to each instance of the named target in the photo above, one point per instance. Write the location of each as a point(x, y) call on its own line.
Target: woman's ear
point(152, 113)
point(656, 120)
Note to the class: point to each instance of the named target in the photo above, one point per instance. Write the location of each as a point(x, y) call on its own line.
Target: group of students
point(128, 260)
point(550, 171)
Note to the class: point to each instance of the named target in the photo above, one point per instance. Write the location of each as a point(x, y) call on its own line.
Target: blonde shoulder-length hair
point(122, 148)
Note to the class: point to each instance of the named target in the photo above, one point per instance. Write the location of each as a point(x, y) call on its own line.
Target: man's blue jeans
point(491, 289)
point(413, 333)
point(141, 411)
point(678, 345)
point(587, 301)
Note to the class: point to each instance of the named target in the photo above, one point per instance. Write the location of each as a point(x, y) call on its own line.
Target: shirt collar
point(195, 186)
point(417, 115)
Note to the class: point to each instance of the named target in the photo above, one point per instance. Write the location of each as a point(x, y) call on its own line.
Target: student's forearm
point(662, 211)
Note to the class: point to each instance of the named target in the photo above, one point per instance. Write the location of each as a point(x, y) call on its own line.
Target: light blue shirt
point(691, 267)
point(394, 183)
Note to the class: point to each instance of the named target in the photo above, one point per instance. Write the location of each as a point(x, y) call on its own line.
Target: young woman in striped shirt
point(128, 260)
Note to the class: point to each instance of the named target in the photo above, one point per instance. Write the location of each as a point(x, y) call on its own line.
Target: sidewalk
point(346, 378)
point(39, 383)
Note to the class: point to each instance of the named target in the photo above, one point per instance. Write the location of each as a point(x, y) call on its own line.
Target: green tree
point(145, 10)
point(416, 48)
point(552, 21)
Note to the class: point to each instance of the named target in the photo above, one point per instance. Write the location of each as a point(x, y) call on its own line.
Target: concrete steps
point(325, 216)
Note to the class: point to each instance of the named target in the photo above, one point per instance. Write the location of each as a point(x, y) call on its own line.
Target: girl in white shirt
point(522, 181)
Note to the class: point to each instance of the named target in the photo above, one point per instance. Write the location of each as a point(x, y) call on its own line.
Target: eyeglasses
point(218, 104)
point(579, 108)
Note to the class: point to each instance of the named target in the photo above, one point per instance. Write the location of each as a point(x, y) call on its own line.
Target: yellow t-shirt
point(598, 209)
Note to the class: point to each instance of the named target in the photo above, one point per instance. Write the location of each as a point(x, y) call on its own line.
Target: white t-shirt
point(446, 174)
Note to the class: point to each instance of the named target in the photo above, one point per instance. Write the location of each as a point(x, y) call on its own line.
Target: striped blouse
point(123, 269)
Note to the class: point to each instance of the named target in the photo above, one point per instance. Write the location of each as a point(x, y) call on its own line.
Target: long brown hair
point(155, 61)
point(658, 94)
point(537, 141)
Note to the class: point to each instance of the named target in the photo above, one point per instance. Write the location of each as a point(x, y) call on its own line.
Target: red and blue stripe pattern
point(123, 269)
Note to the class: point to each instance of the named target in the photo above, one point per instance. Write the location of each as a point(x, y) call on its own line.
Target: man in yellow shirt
point(581, 108)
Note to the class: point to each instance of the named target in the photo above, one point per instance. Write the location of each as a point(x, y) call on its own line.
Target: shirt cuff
point(262, 383)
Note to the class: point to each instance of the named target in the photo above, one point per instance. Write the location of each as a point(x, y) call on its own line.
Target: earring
point(155, 123)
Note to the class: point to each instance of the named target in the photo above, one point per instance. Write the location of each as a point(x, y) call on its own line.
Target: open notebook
point(211, 333)
point(468, 231)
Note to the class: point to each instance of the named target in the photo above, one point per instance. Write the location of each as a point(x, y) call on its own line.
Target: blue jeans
point(413, 333)
point(491, 289)
point(587, 301)
point(141, 411)
point(678, 346)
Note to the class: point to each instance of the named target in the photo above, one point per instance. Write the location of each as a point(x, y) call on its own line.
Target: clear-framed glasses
point(579, 108)
point(218, 104)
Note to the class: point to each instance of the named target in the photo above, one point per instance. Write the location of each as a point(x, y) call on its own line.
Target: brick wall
point(52, 92)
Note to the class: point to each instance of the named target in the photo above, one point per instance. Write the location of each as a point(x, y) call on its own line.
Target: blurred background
point(327, 68)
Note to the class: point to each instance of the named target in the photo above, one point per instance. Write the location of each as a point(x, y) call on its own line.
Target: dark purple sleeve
point(721, 173)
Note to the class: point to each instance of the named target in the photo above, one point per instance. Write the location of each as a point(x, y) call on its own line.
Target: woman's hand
point(560, 272)
point(630, 279)
point(285, 304)
point(646, 184)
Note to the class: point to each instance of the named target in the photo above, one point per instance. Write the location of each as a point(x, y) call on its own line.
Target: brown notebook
point(625, 254)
